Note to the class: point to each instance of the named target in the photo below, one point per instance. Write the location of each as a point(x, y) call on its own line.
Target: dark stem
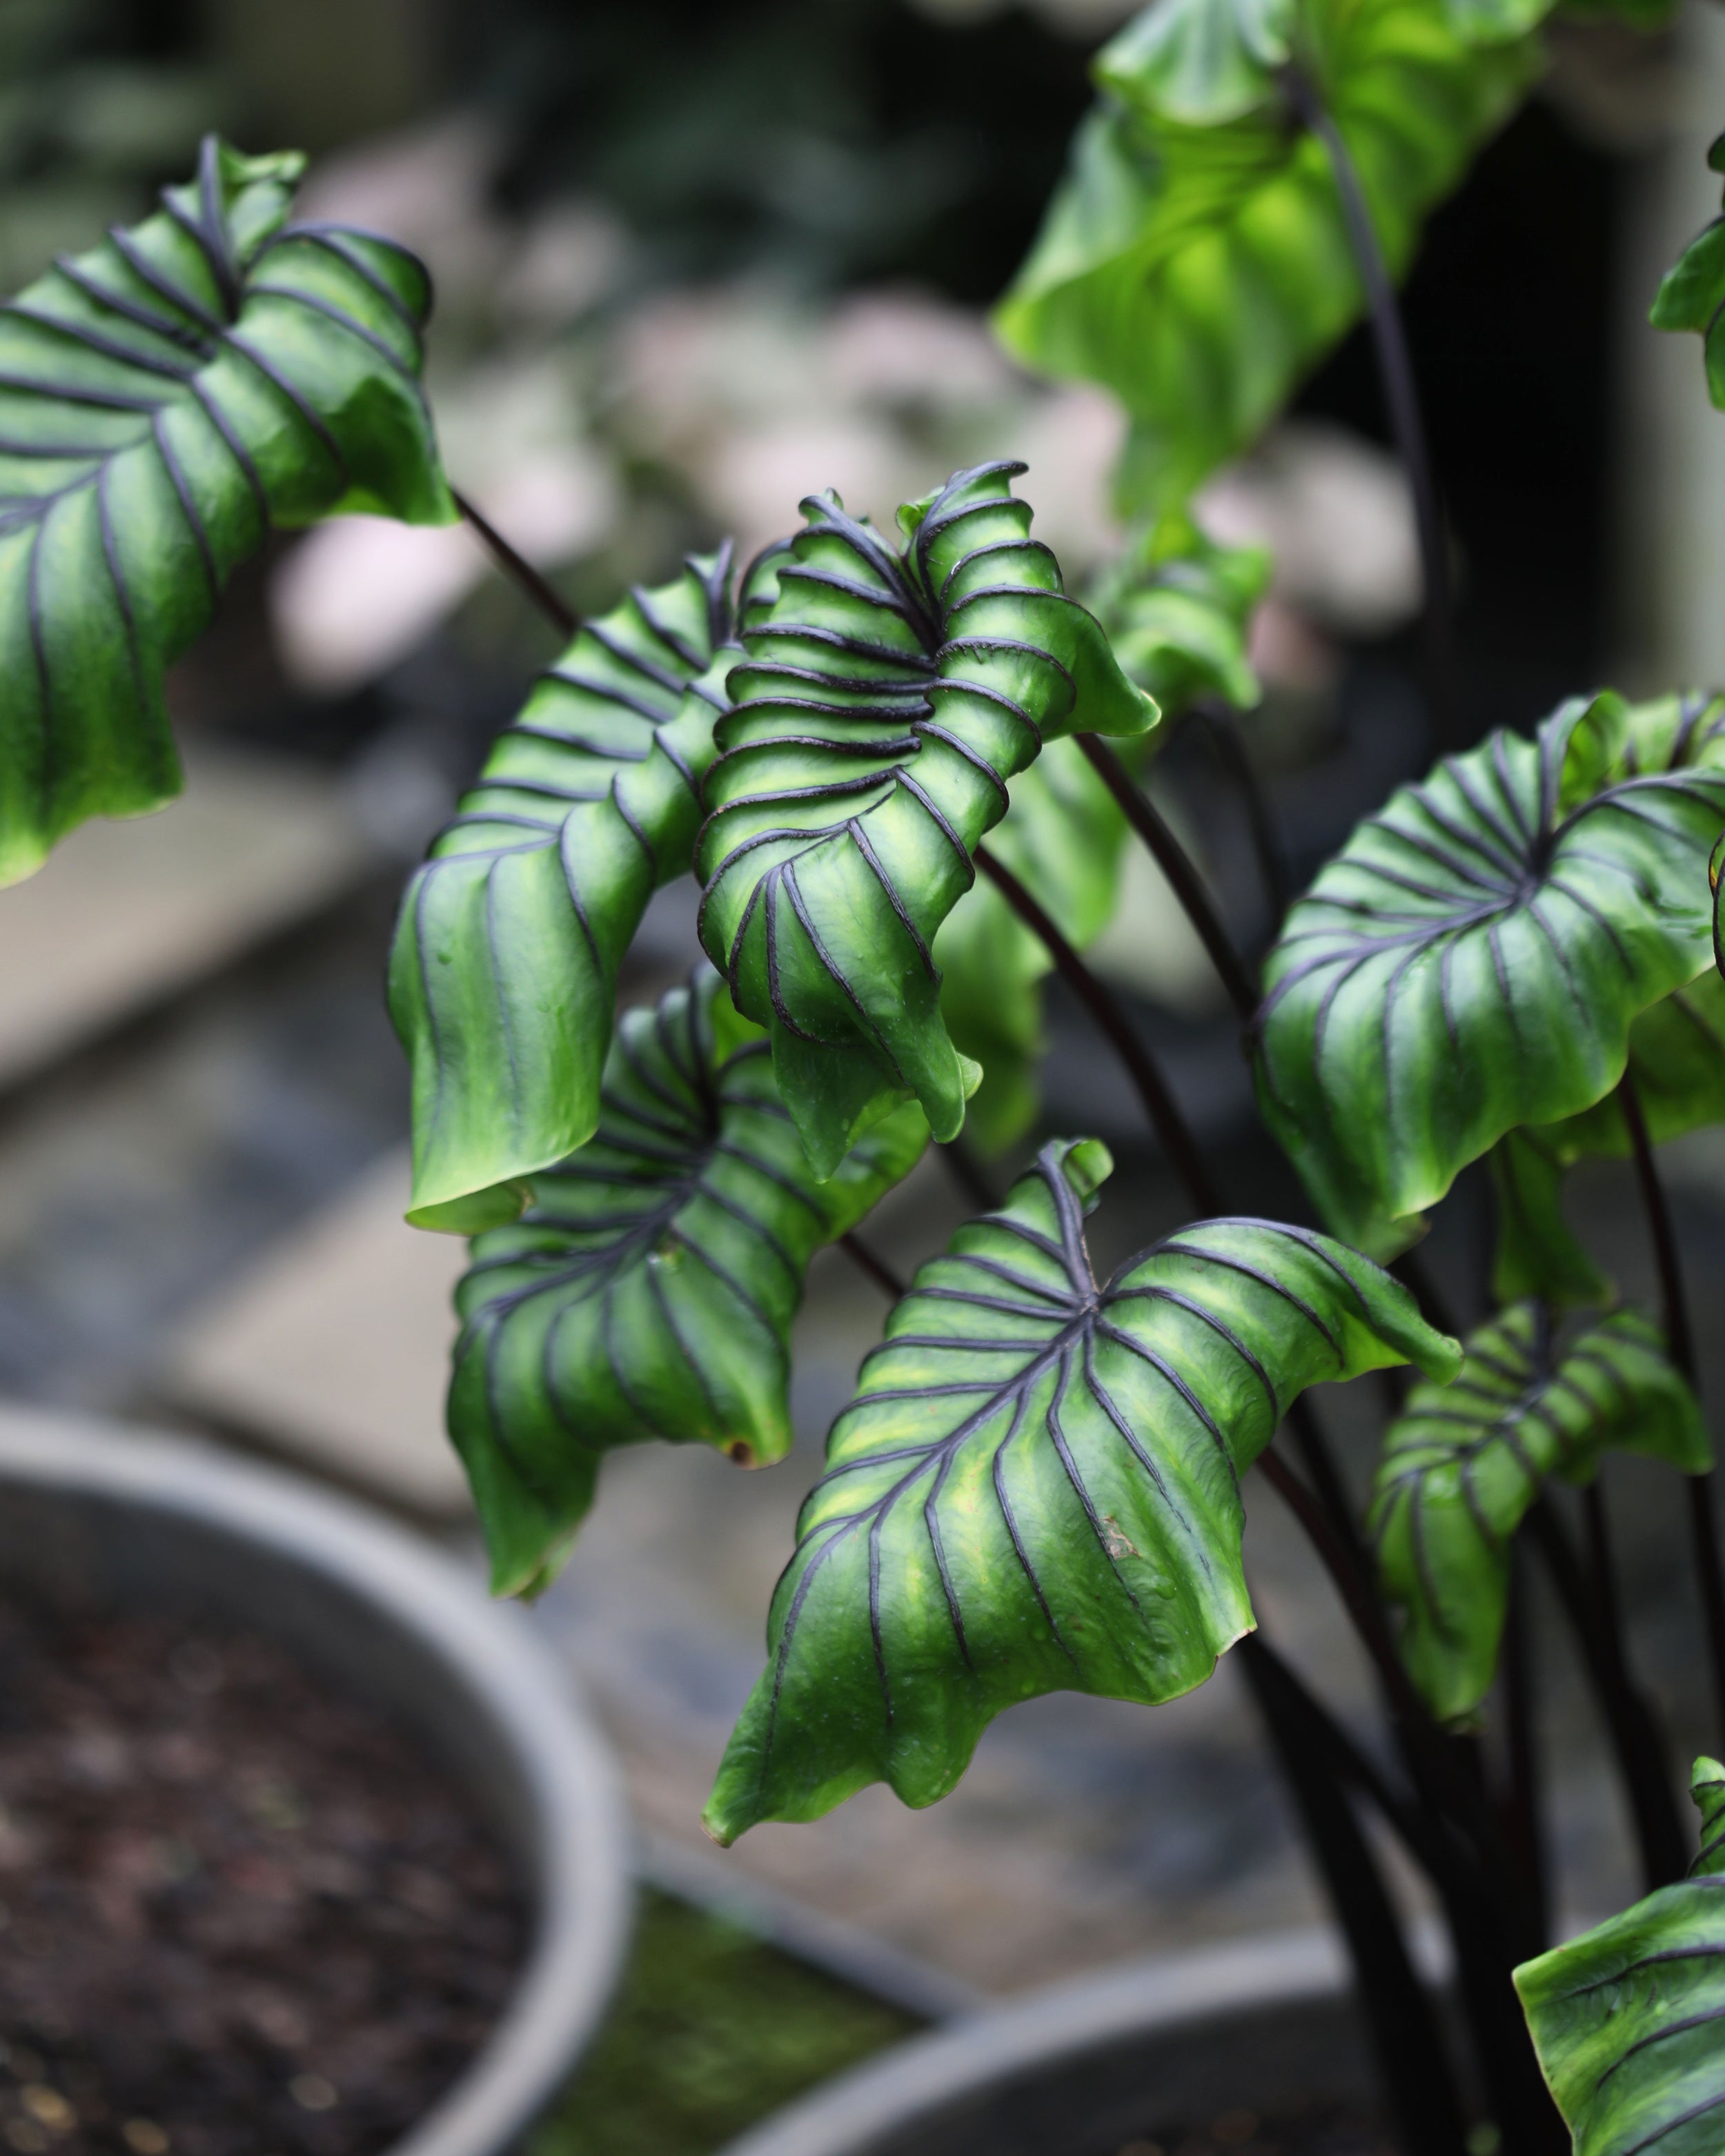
point(1520, 1715)
point(1320, 1464)
point(519, 571)
point(1166, 1118)
point(1177, 865)
point(1401, 396)
point(1418, 2084)
point(1680, 1341)
point(864, 1259)
point(1636, 1740)
point(1224, 732)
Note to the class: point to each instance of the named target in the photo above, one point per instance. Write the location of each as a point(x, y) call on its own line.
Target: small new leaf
point(649, 1290)
point(503, 974)
point(1627, 2019)
point(888, 695)
point(1463, 1462)
point(166, 401)
point(1474, 958)
point(1692, 295)
point(1037, 1487)
point(1178, 608)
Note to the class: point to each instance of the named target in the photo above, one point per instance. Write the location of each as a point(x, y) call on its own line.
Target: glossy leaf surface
point(1037, 1487)
point(1691, 294)
point(166, 400)
point(1474, 958)
point(1195, 260)
point(1177, 609)
point(1463, 1462)
point(1627, 2018)
point(503, 976)
point(888, 695)
point(649, 1290)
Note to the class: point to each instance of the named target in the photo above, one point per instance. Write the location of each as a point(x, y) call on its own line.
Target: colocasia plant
point(904, 766)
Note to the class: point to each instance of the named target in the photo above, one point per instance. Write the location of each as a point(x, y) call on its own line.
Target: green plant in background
point(887, 763)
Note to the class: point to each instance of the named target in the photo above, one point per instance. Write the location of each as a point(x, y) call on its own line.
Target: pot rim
point(583, 1891)
point(853, 2114)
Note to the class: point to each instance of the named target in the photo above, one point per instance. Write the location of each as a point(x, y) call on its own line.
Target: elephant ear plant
point(902, 767)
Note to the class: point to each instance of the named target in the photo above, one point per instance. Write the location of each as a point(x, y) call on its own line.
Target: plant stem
point(1225, 736)
point(1521, 1714)
point(1177, 865)
point(519, 571)
point(878, 1270)
point(1401, 397)
point(1703, 1526)
point(1418, 2081)
point(1635, 1737)
point(1163, 1110)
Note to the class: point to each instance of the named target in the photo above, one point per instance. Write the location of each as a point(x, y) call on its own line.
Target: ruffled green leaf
point(1063, 838)
point(1463, 1462)
point(1692, 295)
point(1538, 1253)
point(503, 974)
point(1199, 271)
point(1474, 958)
point(649, 1290)
point(1627, 2019)
point(888, 695)
point(166, 400)
point(1178, 608)
point(1037, 1487)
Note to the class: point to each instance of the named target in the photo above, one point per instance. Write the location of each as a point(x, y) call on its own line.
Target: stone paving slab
point(126, 914)
point(333, 1348)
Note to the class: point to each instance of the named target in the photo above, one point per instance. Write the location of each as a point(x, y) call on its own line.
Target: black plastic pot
point(1086, 2068)
point(105, 1515)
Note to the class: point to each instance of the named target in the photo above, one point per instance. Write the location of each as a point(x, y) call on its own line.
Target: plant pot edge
point(1151, 1999)
point(583, 1890)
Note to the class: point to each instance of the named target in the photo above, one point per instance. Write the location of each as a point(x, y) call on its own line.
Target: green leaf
point(1063, 838)
point(1627, 2018)
point(1037, 1487)
point(503, 975)
point(1692, 295)
point(1201, 61)
point(649, 1290)
point(1473, 959)
point(1200, 270)
point(166, 400)
point(1463, 1462)
point(1538, 1253)
point(1178, 608)
point(887, 697)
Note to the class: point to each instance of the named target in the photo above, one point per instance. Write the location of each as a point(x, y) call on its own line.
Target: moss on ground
point(711, 2029)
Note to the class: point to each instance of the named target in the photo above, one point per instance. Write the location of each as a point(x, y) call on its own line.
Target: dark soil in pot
point(1325, 2129)
point(242, 1915)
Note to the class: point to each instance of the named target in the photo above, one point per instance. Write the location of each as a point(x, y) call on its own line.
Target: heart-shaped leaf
point(503, 975)
point(1199, 271)
point(1692, 295)
point(1463, 1462)
point(1627, 2019)
point(887, 697)
point(1473, 959)
point(165, 401)
point(1063, 837)
point(1676, 1064)
point(1178, 608)
point(649, 1290)
point(1037, 1487)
